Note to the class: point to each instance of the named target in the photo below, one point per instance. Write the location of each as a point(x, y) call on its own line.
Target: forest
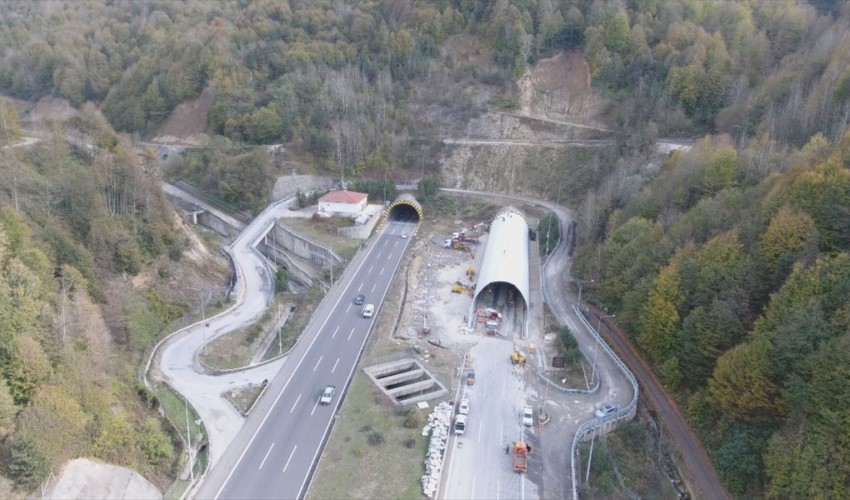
point(728, 264)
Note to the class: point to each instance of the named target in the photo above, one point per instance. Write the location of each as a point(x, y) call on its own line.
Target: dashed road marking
point(265, 457)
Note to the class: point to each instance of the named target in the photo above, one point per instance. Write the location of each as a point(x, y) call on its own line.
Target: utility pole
point(189, 442)
point(590, 457)
point(204, 323)
point(596, 346)
point(551, 216)
point(580, 282)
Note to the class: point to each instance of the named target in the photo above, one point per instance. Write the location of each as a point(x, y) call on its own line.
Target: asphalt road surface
point(280, 454)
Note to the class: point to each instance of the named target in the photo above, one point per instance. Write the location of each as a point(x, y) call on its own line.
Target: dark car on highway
point(359, 300)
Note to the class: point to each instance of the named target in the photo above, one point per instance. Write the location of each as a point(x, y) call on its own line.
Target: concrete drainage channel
point(406, 382)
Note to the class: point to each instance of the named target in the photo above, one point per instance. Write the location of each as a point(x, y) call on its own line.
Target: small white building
point(344, 203)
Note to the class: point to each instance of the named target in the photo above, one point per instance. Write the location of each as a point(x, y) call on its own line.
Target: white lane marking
point(334, 335)
point(473, 487)
point(291, 375)
point(334, 368)
point(330, 421)
point(379, 254)
point(382, 271)
point(316, 405)
point(502, 430)
point(265, 457)
point(480, 428)
point(295, 404)
point(522, 487)
point(498, 489)
point(360, 287)
point(349, 308)
point(373, 287)
point(370, 269)
point(350, 334)
point(290, 458)
point(396, 244)
point(317, 363)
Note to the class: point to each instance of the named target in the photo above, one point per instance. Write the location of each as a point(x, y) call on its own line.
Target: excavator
point(521, 452)
point(518, 358)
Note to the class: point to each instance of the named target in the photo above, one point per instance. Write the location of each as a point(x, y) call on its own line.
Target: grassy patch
point(625, 465)
point(305, 304)
point(175, 410)
point(371, 453)
point(236, 349)
point(244, 397)
point(324, 231)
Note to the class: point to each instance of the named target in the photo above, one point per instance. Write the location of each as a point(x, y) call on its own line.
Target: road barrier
point(623, 413)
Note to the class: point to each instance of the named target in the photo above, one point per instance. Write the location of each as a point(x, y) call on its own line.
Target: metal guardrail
point(623, 413)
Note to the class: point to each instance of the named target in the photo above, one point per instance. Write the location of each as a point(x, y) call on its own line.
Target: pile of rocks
point(438, 425)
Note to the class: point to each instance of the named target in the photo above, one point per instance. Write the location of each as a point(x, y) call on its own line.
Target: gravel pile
point(438, 426)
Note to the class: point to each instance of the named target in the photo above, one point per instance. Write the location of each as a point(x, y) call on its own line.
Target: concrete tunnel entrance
point(501, 309)
point(404, 208)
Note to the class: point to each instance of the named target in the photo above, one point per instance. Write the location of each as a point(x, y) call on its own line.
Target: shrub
point(409, 443)
point(26, 464)
point(413, 420)
point(375, 438)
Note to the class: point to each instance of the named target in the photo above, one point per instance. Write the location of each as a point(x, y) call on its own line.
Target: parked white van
point(369, 310)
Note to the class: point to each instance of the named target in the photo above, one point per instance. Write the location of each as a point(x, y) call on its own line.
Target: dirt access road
point(700, 475)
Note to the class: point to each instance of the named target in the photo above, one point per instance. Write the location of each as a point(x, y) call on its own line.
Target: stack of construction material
point(438, 425)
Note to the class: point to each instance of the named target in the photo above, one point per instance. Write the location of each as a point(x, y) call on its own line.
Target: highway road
point(275, 457)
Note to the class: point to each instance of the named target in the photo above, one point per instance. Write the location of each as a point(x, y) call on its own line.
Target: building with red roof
point(343, 202)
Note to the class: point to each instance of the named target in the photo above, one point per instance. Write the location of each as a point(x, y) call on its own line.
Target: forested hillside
point(75, 225)
point(729, 263)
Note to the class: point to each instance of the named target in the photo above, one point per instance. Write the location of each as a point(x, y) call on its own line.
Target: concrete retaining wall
point(216, 223)
point(288, 239)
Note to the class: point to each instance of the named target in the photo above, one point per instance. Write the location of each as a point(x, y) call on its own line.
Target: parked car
point(527, 416)
point(604, 411)
point(460, 424)
point(359, 300)
point(463, 407)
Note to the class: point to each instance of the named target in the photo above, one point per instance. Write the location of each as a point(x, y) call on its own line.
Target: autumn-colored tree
point(659, 320)
point(790, 234)
point(54, 422)
point(740, 387)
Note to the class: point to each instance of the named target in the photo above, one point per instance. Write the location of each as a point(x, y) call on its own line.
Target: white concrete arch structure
point(505, 258)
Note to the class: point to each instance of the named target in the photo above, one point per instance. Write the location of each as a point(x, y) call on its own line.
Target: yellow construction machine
point(518, 358)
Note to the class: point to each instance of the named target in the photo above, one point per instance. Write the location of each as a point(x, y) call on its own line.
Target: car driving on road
point(328, 395)
point(359, 300)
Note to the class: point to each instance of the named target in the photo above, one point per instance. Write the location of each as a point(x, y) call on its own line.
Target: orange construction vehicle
point(521, 452)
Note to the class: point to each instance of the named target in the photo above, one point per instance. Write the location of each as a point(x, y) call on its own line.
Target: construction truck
point(521, 452)
point(518, 358)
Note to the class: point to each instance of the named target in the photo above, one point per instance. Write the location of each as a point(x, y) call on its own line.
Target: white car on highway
point(463, 407)
point(527, 416)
